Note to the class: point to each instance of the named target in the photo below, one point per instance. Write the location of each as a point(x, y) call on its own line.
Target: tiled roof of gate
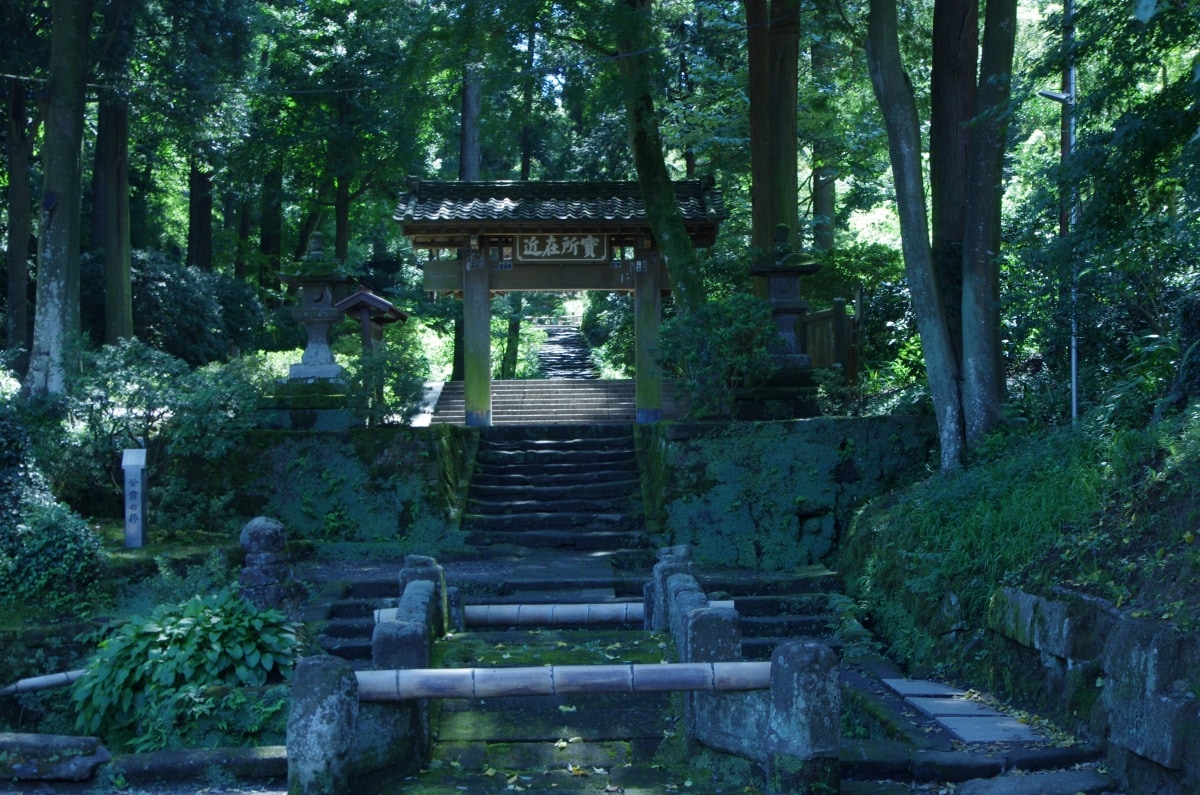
point(428, 207)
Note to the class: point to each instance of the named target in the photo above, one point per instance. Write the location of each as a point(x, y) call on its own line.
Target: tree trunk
point(635, 44)
point(758, 51)
point(512, 339)
point(270, 235)
point(824, 145)
point(470, 153)
point(200, 217)
point(983, 364)
point(240, 257)
point(22, 132)
point(341, 217)
point(527, 107)
point(470, 156)
point(112, 193)
point(895, 96)
point(783, 195)
point(56, 315)
point(952, 98)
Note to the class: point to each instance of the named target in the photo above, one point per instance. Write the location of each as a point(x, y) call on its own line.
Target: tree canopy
point(235, 131)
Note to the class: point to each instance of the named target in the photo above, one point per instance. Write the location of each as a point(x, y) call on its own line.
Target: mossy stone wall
point(363, 485)
point(774, 495)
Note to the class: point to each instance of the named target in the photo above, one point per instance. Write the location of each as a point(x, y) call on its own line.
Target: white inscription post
point(134, 464)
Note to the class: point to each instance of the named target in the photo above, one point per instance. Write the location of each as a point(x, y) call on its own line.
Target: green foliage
point(195, 315)
point(148, 678)
point(132, 395)
point(172, 584)
point(48, 554)
point(969, 532)
point(387, 385)
point(720, 349)
point(607, 326)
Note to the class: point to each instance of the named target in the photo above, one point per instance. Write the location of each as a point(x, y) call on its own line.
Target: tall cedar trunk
point(983, 366)
point(240, 257)
point(783, 194)
point(112, 192)
point(895, 96)
point(470, 156)
point(341, 217)
point(658, 193)
point(56, 315)
point(758, 46)
point(527, 108)
point(270, 234)
point(952, 98)
point(824, 145)
point(512, 340)
point(22, 131)
point(200, 217)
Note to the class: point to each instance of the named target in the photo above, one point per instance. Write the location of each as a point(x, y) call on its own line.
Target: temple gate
point(550, 237)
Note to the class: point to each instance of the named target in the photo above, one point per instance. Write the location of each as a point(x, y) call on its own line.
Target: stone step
point(564, 520)
point(791, 604)
point(584, 457)
point(564, 476)
point(552, 506)
point(787, 625)
point(760, 648)
point(607, 442)
point(507, 487)
point(549, 539)
point(546, 469)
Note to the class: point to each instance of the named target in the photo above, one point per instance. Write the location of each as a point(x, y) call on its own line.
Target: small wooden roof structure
point(446, 215)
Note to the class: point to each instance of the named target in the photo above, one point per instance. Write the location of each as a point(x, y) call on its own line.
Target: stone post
point(477, 338)
point(266, 578)
point(322, 726)
point(804, 733)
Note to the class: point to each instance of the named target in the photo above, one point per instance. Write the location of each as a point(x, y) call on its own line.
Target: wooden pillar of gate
point(477, 338)
point(647, 317)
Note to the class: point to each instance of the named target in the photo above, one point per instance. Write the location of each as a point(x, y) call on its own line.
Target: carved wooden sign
point(585, 247)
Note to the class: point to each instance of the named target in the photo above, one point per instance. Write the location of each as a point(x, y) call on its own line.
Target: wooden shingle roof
point(444, 214)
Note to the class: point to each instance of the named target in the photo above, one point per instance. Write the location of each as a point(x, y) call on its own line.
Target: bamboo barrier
point(553, 680)
point(524, 615)
point(35, 683)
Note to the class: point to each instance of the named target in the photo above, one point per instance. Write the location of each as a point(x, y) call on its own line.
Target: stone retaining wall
point(1138, 679)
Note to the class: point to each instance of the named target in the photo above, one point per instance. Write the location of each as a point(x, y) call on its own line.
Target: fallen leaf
point(565, 708)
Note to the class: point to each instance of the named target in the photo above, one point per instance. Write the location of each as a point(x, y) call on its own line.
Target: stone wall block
point(400, 644)
point(806, 700)
point(422, 568)
point(683, 596)
point(1151, 708)
point(661, 575)
point(321, 726)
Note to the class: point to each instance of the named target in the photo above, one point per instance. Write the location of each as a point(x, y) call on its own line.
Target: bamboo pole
point(35, 683)
point(548, 615)
point(552, 680)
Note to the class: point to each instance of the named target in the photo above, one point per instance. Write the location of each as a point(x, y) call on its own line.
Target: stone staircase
point(555, 486)
point(565, 354)
point(541, 402)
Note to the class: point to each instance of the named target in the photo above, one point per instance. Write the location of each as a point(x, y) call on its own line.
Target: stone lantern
point(783, 294)
point(321, 288)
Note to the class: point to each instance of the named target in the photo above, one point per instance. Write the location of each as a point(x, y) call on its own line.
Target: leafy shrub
point(607, 326)
point(387, 385)
point(149, 678)
point(720, 349)
point(130, 395)
point(198, 316)
point(48, 554)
